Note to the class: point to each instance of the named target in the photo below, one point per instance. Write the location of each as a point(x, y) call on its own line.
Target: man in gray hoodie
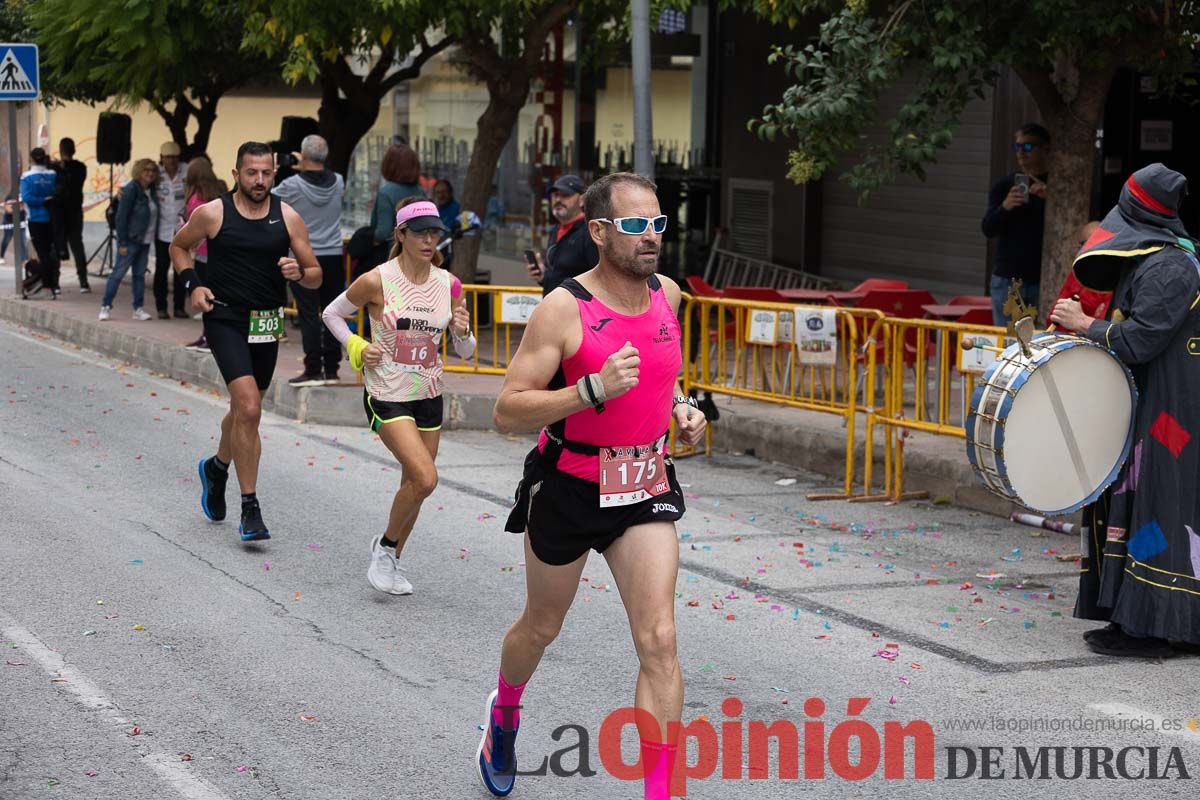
point(316, 194)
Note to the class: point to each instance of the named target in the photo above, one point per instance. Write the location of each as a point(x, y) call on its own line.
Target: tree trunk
point(1072, 125)
point(343, 121)
point(493, 130)
point(206, 115)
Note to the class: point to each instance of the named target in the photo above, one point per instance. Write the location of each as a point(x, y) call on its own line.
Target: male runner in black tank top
point(249, 233)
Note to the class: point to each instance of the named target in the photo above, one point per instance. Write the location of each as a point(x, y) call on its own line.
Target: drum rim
point(1064, 343)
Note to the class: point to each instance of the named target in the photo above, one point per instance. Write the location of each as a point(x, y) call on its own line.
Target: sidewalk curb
point(811, 447)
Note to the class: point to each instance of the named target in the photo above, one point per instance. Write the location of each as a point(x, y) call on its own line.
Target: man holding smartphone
point(1015, 217)
point(572, 252)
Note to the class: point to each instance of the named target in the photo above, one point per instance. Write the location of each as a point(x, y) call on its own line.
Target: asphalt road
point(276, 671)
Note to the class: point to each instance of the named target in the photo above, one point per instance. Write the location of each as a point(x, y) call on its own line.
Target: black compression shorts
point(426, 414)
point(236, 357)
point(563, 517)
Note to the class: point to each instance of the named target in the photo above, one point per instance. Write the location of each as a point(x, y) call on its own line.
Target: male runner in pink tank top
point(597, 371)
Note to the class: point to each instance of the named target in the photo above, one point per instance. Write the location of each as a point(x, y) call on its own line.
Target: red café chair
point(702, 288)
point(970, 300)
point(875, 284)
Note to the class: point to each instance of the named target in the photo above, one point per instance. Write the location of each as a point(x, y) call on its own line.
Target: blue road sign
point(19, 72)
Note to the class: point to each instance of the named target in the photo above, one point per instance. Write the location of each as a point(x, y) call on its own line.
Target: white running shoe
point(140, 314)
point(400, 584)
point(105, 312)
point(382, 572)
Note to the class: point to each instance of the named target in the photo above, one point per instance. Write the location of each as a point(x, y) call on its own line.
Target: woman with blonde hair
point(135, 236)
point(411, 302)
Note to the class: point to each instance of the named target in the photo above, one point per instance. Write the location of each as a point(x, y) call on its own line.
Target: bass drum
point(1051, 431)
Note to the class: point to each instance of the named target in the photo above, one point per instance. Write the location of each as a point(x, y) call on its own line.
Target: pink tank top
point(643, 414)
point(194, 202)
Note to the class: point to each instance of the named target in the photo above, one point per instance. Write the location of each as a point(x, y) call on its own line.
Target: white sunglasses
point(636, 226)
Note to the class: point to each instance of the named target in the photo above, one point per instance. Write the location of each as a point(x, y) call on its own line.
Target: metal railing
point(805, 357)
point(727, 268)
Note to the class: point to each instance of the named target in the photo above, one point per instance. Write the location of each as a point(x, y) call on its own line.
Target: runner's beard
point(633, 265)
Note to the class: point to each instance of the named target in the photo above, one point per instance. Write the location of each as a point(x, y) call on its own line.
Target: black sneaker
point(163, 315)
point(307, 379)
point(200, 345)
point(181, 314)
point(212, 490)
point(331, 379)
point(253, 529)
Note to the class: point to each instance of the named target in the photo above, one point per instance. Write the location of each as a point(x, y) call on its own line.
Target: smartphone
point(530, 258)
point(1023, 182)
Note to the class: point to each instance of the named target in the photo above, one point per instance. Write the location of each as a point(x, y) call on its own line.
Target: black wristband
point(189, 278)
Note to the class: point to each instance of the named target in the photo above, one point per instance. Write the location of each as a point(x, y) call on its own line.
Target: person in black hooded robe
point(1141, 565)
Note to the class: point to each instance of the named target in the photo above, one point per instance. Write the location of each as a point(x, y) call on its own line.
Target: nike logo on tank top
point(410, 331)
point(641, 415)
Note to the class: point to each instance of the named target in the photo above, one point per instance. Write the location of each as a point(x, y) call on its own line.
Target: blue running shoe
point(496, 758)
point(252, 529)
point(212, 490)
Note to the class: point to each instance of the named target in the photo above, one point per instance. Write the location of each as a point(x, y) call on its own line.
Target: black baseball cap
point(568, 184)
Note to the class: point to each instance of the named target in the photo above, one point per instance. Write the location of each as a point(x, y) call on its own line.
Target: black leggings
point(42, 234)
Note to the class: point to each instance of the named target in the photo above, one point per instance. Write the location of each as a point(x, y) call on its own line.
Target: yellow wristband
point(354, 348)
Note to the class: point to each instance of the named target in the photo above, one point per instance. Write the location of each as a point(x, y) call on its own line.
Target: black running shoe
point(212, 490)
point(253, 529)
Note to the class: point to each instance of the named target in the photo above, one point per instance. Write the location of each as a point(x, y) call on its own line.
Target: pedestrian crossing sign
point(19, 72)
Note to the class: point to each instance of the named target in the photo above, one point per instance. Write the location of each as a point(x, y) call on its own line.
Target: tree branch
point(414, 70)
point(1043, 90)
point(380, 68)
point(535, 37)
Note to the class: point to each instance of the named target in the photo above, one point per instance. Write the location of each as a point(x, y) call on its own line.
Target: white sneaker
point(85, 290)
point(400, 584)
point(382, 572)
point(105, 312)
point(140, 314)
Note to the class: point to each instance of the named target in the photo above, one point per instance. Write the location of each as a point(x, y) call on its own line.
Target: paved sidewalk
point(795, 437)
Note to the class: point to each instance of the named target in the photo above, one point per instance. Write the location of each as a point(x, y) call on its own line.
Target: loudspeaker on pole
point(114, 140)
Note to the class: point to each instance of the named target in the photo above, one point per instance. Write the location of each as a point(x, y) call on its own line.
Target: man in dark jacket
point(572, 252)
point(1015, 217)
point(72, 175)
point(316, 194)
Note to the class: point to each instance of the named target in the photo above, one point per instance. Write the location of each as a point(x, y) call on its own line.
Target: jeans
point(321, 347)
point(162, 266)
point(1029, 293)
point(42, 234)
point(136, 256)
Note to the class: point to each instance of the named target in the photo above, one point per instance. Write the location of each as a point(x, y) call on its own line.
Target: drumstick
point(1051, 327)
point(969, 344)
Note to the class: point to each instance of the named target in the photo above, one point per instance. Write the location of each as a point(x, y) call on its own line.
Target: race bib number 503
point(265, 326)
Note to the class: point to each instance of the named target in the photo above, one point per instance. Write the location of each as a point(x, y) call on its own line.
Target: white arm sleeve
point(335, 314)
point(465, 347)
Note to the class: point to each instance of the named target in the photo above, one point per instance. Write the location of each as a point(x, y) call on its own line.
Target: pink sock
point(505, 712)
point(658, 760)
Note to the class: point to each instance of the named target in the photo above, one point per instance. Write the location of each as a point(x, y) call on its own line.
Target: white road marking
point(168, 767)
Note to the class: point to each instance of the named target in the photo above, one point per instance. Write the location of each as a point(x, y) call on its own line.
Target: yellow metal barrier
point(747, 348)
point(930, 352)
point(509, 309)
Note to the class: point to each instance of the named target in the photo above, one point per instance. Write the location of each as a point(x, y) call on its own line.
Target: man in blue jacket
point(37, 192)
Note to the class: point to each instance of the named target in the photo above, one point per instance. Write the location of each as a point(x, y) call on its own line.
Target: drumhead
point(1096, 411)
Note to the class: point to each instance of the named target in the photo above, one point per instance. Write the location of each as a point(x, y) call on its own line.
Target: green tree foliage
point(356, 51)
point(180, 56)
point(1065, 52)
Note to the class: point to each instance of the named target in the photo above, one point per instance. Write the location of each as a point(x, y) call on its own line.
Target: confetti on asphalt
point(785, 482)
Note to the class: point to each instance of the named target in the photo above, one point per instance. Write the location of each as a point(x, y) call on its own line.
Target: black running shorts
point(236, 357)
point(427, 414)
point(563, 517)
